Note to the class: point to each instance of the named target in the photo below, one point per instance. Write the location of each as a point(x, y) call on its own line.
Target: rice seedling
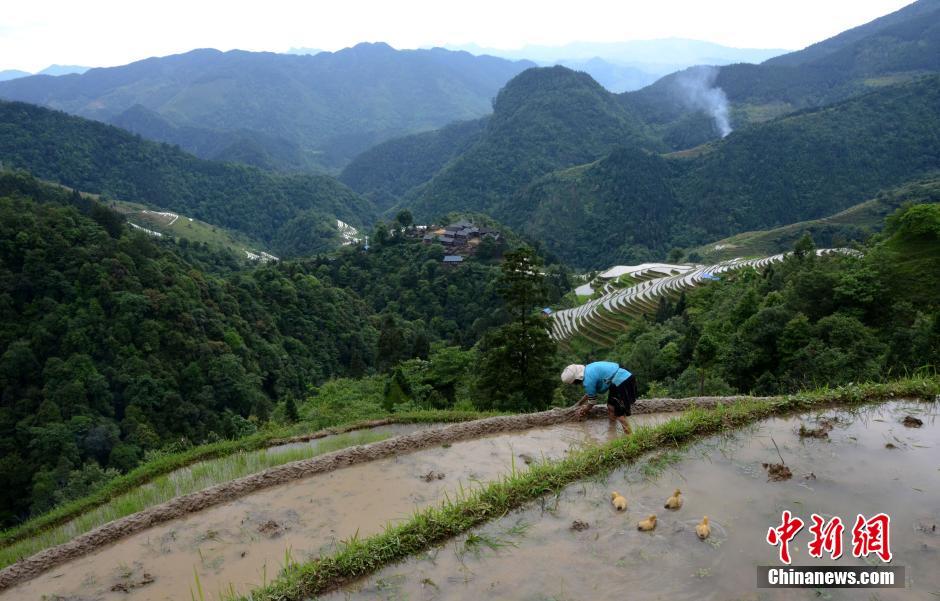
point(198, 594)
point(168, 462)
point(183, 481)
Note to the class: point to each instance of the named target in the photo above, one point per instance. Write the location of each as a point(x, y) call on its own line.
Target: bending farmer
point(604, 376)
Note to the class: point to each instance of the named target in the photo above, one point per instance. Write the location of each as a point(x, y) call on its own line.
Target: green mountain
point(894, 48)
point(849, 37)
point(632, 206)
point(239, 146)
point(102, 159)
point(330, 106)
point(544, 119)
point(385, 172)
point(550, 118)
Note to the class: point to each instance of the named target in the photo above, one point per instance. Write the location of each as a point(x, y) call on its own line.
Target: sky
point(100, 33)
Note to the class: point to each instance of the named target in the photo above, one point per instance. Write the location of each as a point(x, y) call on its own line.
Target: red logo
point(784, 533)
point(869, 536)
point(826, 537)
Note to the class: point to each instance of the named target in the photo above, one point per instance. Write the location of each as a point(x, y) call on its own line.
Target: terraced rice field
point(600, 320)
point(243, 543)
point(576, 545)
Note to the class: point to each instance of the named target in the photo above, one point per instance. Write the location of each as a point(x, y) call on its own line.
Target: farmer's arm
point(590, 394)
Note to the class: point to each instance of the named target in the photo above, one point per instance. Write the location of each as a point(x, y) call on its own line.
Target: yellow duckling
point(675, 501)
point(703, 529)
point(619, 501)
point(647, 524)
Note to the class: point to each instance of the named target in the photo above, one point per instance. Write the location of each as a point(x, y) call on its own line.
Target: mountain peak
point(372, 47)
point(540, 81)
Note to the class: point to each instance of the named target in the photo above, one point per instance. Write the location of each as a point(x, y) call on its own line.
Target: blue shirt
point(599, 376)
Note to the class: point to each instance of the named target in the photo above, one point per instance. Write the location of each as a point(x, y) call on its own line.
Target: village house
point(460, 237)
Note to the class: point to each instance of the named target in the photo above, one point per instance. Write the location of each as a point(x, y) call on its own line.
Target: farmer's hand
point(582, 411)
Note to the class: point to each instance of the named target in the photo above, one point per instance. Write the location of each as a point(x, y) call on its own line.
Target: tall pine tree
point(518, 360)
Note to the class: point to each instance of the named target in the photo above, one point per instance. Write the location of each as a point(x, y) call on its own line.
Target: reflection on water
point(246, 542)
point(535, 554)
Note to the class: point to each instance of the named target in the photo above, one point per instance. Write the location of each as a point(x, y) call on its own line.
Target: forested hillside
point(633, 206)
point(544, 119)
point(289, 110)
point(116, 344)
point(102, 159)
point(855, 224)
point(384, 173)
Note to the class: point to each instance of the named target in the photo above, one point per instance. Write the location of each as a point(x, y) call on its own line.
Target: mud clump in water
point(912, 422)
point(128, 585)
point(890, 445)
point(432, 476)
point(526, 458)
point(579, 526)
point(271, 529)
point(926, 528)
point(825, 425)
point(777, 472)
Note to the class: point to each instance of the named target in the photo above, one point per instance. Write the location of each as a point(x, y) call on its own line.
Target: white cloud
point(37, 33)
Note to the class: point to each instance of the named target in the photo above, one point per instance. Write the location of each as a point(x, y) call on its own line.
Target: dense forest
point(385, 172)
point(101, 159)
point(806, 322)
point(544, 119)
point(809, 321)
point(116, 344)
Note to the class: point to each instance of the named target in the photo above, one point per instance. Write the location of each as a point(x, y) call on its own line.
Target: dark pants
point(622, 397)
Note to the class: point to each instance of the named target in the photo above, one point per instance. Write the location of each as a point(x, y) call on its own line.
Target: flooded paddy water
point(245, 542)
point(199, 476)
point(577, 546)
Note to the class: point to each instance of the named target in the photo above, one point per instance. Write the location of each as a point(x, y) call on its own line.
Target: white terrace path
point(644, 296)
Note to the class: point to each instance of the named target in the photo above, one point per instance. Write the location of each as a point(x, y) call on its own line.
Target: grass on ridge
point(181, 482)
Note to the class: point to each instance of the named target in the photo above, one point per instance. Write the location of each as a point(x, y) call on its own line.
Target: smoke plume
point(698, 88)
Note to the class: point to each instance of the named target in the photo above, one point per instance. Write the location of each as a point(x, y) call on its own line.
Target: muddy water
point(538, 556)
point(386, 431)
point(242, 543)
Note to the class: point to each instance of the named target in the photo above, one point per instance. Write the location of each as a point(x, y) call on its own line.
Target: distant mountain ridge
point(850, 36)
point(13, 74)
point(633, 64)
point(53, 70)
point(893, 48)
point(331, 105)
